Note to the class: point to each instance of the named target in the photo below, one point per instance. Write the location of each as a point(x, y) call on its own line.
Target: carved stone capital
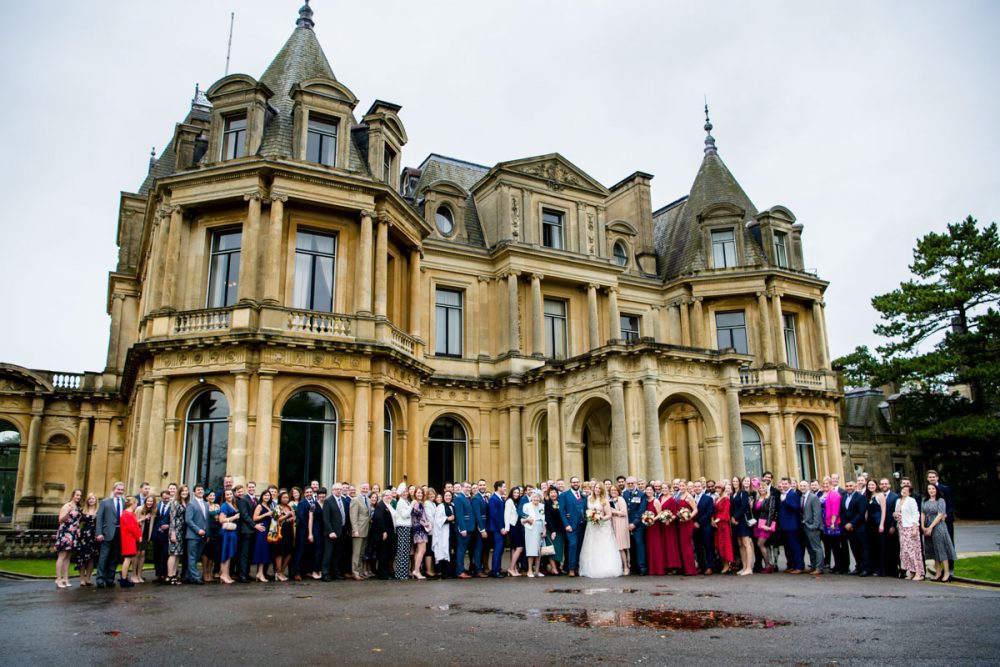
point(279, 196)
point(384, 218)
point(485, 279)
point(537, 276)
point(253, 195)
point(367, 214)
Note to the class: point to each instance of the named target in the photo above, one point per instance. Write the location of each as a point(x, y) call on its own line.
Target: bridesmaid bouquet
point(648, 518)
point(666, 516)
point(274, 531)
point(595, 517)
point(684, 515)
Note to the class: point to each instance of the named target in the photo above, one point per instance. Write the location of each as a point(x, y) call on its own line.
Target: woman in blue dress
point(261, 547)
point(228, 517)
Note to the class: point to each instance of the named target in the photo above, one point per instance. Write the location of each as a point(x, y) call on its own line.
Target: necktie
point(201, 503)
point(118, 507)
point(577, 494)
point(340, 506)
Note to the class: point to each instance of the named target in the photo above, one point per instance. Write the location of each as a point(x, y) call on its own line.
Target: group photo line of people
point(597, 529)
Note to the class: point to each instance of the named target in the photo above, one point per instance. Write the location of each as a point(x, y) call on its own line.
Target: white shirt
point(909, 515)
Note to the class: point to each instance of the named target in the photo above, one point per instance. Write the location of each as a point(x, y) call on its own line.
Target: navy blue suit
point(161, 538)
point(704, 535)
point(790, 522)
point(853, 510)
point(307, 554)
point(891, 562)
point(495, 524)
point(464, 521)
point(573, 513)
point(480, 508)
point(635, 501)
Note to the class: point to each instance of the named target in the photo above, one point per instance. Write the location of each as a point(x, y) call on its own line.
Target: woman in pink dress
point(655, 537)
point(619, 524)
point(723, 529)
point(670, 533)
point(685, 534)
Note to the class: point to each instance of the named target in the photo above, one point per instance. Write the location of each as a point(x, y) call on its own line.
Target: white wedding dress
point(599, 557)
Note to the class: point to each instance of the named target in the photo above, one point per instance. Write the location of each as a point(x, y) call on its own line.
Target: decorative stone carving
point(591, 246)
point(515, 218)
point(555, 175)
point(13, 384)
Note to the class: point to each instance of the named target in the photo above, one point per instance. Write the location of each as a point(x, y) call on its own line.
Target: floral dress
point(67, 537)
point(86, 543)
point(177, 526)
point(420, 522)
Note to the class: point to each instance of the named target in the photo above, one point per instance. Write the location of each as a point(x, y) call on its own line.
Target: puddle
point(659, 593)
point(591, 591)
point(869, 597)
point(660, 619)
point(519, 615)
point(707, 595)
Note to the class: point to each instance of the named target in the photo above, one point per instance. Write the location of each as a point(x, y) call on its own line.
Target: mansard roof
point(437, 168)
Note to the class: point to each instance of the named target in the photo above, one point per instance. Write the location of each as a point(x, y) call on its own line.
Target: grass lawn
point(45, 567)
point(984, 568)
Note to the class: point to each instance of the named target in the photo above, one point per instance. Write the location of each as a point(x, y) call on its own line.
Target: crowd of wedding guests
point(737, 526)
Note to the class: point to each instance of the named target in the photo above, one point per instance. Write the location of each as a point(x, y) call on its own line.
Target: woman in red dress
point(131, 533)
point(685, 534)
point(723, 529)
point(673, 547)
point(655, 543)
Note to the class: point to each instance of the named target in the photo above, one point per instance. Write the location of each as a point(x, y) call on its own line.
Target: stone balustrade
point(323, 324)
point(198, 321)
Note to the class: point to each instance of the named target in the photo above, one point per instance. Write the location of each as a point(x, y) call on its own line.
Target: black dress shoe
point(863, 574)
point(327, 578)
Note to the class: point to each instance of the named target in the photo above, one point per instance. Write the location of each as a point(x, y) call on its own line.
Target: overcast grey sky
point(874, 122)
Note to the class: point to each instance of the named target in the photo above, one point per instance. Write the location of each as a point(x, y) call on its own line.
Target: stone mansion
point(291, 303)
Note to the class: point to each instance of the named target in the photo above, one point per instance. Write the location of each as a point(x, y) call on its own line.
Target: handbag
point(547, 549)
point(229, 525)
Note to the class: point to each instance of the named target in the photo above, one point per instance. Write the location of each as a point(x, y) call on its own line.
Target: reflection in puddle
point(591, 591)
point(661, 593)
point(707, 595)
point(659, 619)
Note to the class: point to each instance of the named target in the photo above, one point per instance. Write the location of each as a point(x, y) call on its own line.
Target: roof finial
point(709, 139)
point(152, 158)
point(305, 17)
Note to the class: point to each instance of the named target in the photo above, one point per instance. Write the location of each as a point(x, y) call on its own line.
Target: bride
point(599, 557)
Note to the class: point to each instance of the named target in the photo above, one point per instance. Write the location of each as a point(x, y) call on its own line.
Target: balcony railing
point(323, 324)
point(198, 321)
point(402, 342)
point(809, 378)
point(749, 376)
point(787, 377)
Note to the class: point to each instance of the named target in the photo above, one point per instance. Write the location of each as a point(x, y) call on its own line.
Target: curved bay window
point(207, 440)
point(753, 451)
point(10, 449)
point(446, 452)
point(805, 448)
point(308, 440)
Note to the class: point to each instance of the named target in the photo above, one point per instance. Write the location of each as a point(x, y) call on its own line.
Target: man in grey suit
point(196, 527)
point(812, 522)
point(360, 516)
point(108, 535)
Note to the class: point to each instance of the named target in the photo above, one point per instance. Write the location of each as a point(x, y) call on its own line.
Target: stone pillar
point(171, 458)
point(632, 420)
point(363, 288)
point(414, 441)
point(382, 266)
point(172, 266)
point(141, 449)
point(685, 324)
point(377, 438)
point(651, 428)
point(777, 326)
point(593, 327)
point(694, 451)
point(516, 446)
point(358, 463)
point(250, 242)
point(820, 338)
point(775, 450)
point(155, 272)
point(698, 324)
point(513, 315)
point(619, 429)
point(28, 484)
point(157, 416)
point(538, 316)
point(236, 464)
point(82, 448)
point(265, 418)
point(651, 325)
point(791, 460)
point(555, 436)
point(616, 319)
point(416, 294)
point(114, 360)
point(833, 447)
point(737, 464)
point(766, 342)
point(673, 332)
point(485, 319)
point(822, 326)
point(272, 249)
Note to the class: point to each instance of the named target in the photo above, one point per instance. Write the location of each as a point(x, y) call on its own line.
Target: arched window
point(308, 440)
point(446, 452)
point(753, 451)
point(207, 436)
point(444, 220)
point(620, 254)
point(387, 442)
point(10, 449)
point(806, 449)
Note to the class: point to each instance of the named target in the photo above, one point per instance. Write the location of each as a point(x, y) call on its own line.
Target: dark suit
point(383, 525)
point(334, 521)
point(572, 510)
point(812, 524)
point(195, 520)
point(248, 533)
point(161, 538)
point(305, 551)
point(108, 518)
point(853, 510)
point(635, 502)
point(891, 536)
point(480, 508)
point(789, 512)
point(346, 541)
point(704, 533)
point(495, 524)
point(464, 521)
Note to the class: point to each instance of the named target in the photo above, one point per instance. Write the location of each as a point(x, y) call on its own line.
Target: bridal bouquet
point(595, 517)
point(666, 516)
point(684, 515)
point(648, 518)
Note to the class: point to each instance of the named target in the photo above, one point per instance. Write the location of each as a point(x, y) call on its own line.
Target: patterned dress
point(938, 545)
point(419, 522)
point(177, 526)
point(86, 544)
point(67, 537)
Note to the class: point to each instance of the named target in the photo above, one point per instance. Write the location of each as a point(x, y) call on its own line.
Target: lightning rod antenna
point(229, 47)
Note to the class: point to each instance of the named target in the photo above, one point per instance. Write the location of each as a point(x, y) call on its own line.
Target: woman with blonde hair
point(619, 524)
point(177, 529)
point(87, 549)
point(131, 534)
point(67, 537)
point(145, 516)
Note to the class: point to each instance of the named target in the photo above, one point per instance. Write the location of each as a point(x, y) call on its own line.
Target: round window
point(444, 220)
point(621, 257)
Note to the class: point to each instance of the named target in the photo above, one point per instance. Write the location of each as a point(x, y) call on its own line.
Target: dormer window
point(388, 155)
point(321, 141)
point(552, 229)
point(781, 249)
point(234, 137)
point(724, 248)
point(620, 254)
point(444, 220)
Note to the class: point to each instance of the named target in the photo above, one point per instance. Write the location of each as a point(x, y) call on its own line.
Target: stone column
point(363, 288)
point(382, 265)
point(377, 438)
point(685, 324)
point(28, 483)
point(555, 436)
point(114, 360)
point(485, 319)
point(791, 460)
point(820, 339)
point(651, 428)
point(236, 464)
point(171, 458)
point(513, 314)
point(766, 343)
point(737, 464)
point(776, 451)
point(632, 419)
point(593, 326)
point(833, 447)
point(272, 249)
point(157, 432)
point(82, 448)
point(698, 324)
point(616, 319)
point(265, 418)
point(172, 266)
point(777, 325)
point(250, 242)
point(358, 463)
point(516, 446)
point(416, 294)
point(619, 445)
point(538, 316)
point(651, 324)
point(414, 441)
point(694, 451)
point(153, 284)
point(142, 432)
point(673, 332)
point(822, 325)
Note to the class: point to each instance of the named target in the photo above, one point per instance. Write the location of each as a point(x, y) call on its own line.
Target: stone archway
point(588, 451)
point(689, 444)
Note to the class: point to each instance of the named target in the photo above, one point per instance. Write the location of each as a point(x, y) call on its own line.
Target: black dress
point(286, 547)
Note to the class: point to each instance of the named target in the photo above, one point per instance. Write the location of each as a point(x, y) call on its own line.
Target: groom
point(571, 506)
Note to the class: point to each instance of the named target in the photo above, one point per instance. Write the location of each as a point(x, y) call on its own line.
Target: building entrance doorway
point(447, 445)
